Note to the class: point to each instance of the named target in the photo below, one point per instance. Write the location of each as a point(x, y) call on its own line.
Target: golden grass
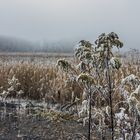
point(41, 81)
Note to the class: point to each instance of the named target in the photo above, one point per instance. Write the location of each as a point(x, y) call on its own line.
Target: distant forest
point(8, 44)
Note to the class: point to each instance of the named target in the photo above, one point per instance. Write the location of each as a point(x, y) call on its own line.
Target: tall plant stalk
point(89, 120)
point(110, 95)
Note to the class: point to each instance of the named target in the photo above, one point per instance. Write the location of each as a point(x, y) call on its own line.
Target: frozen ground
point(34, 124)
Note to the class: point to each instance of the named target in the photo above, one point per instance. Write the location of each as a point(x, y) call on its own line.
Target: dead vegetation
point(40, 79)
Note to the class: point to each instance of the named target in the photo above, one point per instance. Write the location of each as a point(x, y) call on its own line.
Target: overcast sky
point(38, 20)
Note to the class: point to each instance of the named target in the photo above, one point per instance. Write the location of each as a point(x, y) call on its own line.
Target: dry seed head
point(62, 63)
point(85, 77)
point(115, 63)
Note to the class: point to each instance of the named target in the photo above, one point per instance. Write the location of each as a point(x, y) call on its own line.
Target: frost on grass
point(65, 91)
point(115, 63)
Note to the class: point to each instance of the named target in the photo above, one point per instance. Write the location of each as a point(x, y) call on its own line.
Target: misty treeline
point(8, 44)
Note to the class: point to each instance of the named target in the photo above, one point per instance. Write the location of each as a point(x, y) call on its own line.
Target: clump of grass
point(38, 81)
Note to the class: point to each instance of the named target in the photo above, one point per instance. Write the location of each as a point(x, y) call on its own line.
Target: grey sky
point(70, 19)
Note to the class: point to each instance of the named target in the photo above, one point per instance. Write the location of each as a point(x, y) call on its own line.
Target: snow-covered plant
point(96, 64)
point(132, 80)
point(13, 90)
point(104, 46)
point(123, 124)
point(84, 109)
point(132, 98)
point(115, 63)
point(63, 64)
point(14, 87)
point(86, 78)
point(84, 51)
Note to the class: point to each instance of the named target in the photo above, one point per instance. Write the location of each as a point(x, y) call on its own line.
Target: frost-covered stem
point(110, 93)
point(19, 102)
point(5, 109)
point(89, 121)
point(110, 97)
point(134, 132)
point(134, 127)
point(123, 132)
